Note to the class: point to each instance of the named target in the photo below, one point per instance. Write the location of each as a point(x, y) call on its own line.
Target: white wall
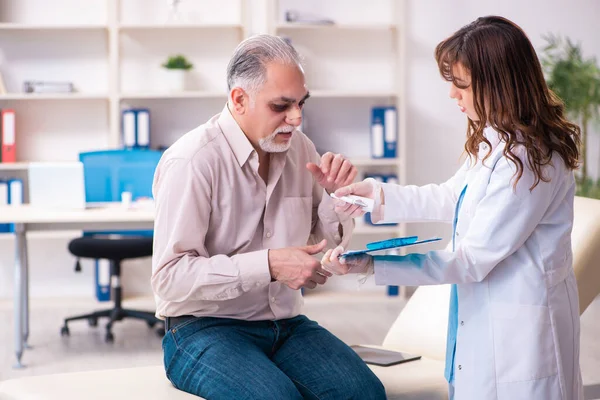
point(436, 127)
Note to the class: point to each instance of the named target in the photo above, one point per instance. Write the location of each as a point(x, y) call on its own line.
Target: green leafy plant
point(177, 62)
point(576, 80)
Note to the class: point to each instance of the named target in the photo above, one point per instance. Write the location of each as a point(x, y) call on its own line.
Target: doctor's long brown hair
point(510, 94)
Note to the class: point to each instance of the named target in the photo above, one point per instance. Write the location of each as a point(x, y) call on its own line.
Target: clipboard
point(390, 244)
point(383, 357)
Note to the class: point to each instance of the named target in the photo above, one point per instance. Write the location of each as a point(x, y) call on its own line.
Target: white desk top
point(111, 213)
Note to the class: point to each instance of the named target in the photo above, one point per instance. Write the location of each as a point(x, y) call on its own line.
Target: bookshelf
point(352, 65)
point(8, 26)
point(112, 51)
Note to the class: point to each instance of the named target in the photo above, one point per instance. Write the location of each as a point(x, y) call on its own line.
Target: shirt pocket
point(298, 219)
point(524, 345)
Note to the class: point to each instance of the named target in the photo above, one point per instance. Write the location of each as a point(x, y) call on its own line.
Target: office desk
point(34, 218)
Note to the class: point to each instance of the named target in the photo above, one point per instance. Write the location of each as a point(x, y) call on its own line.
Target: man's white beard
point(269, 145)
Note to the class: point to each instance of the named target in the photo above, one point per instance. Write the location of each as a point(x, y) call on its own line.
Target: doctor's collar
point(492, 136)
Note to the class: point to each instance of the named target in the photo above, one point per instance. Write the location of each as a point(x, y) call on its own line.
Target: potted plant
point(577, 82)
point(176, 68)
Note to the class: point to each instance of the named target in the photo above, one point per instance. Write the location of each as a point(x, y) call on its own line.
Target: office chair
point(107, 174)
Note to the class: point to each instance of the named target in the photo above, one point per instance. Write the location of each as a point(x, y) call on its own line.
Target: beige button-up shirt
point(216, 219)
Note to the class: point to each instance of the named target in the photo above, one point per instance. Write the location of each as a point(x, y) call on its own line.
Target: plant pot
point(174, 80)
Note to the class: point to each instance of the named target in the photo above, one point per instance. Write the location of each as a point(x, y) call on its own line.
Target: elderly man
point(237, 200)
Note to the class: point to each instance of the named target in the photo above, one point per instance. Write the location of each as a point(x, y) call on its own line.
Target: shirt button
point(272, 299)
point(460, 367)
point(457, 234)
point(462, 323)
point(269, 234)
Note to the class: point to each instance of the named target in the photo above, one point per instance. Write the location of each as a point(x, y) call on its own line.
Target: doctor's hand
point(358, 264)
point(296, 267)
point(367, 188)
point(333, 172)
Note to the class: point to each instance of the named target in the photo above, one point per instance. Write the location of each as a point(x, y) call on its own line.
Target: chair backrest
point(108, 173)
point(422, 325)
point(586, 249)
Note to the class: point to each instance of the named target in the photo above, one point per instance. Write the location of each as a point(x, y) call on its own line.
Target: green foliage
point(574, 79)
point(177, 62)
point(588, 188)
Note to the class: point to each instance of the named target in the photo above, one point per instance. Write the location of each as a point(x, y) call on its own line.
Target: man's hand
point(357, 264)
point(296, 268)
point(334, 172)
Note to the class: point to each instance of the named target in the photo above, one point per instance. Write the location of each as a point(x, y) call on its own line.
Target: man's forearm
point(211, 278)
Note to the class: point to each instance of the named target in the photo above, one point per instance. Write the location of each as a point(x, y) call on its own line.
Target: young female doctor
point(514, 318)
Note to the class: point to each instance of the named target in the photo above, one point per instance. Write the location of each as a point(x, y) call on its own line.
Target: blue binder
point(377, 132)
point(390, 132)
point(135, 127)
point(142, 128)
point(4, 228)
point(384, 132)
point(15, 196)
point(11, 191)
point(102, 279)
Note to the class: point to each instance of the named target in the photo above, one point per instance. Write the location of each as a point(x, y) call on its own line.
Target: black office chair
point(115, 250)
point(107, 174)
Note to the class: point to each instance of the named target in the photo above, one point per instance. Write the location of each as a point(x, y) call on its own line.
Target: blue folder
point(390, 244)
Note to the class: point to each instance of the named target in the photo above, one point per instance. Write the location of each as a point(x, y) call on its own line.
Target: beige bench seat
point(419, 329)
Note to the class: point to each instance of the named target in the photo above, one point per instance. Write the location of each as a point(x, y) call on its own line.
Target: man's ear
point(239, 100)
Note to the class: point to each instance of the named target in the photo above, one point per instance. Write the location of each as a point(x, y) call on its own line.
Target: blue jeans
point(220, 358)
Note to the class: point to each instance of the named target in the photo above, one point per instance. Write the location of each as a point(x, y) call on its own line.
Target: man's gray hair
point(247, 67)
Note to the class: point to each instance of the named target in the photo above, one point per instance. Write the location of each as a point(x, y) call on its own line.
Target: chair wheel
point(93, 321)
point(64, 331)
point(151, 324)
point(110, 338)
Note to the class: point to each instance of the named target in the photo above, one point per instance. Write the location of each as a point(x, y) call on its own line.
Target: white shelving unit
point(351, 65)
point(351, 94)
point(43, 27)
point(323, 27)
point(112, 51)
point(177, 26)
point(178, 95)
point(53, 96)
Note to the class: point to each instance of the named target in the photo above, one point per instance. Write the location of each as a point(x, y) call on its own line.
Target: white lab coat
point(518, 313)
